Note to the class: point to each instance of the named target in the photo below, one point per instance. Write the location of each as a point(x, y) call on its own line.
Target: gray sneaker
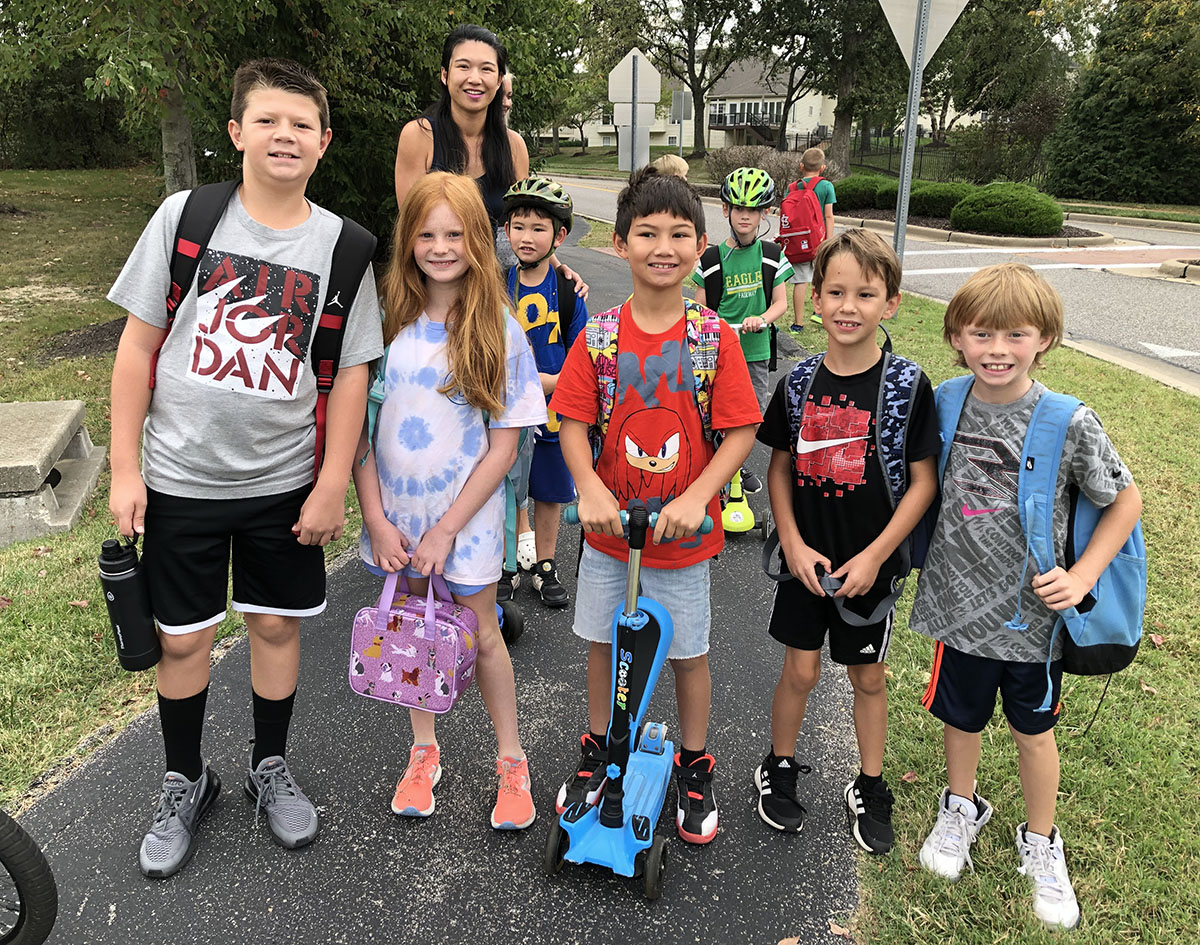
point(290, 814)
point(171, 840)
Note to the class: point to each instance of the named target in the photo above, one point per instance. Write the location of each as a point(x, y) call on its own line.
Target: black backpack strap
point(566, 305)
point(351, 255)
point(774, 252)
point(202, 211)
point(714, 283)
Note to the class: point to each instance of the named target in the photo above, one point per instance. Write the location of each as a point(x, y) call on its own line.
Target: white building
point(743, 108)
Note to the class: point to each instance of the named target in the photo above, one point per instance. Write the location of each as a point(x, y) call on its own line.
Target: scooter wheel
point(656, 867)
point(512, 622)
point(557, 845)
point(765, 524)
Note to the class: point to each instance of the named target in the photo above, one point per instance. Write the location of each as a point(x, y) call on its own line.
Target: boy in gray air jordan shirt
point(228, 446)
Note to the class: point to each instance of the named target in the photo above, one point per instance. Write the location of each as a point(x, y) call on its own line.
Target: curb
point(1179, 269)
point(1143, 222)
point(935, 235)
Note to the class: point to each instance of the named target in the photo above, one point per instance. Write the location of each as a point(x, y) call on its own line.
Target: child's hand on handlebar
point(755, 324)
point(679, 518)
point(600, 512)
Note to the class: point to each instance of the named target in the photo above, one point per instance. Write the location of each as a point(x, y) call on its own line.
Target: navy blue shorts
point(549, 478)
point(962, 691)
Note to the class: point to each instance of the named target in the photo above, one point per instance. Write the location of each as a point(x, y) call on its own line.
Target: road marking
point(1141, 247)
point(970, 269)
point(1164, 352)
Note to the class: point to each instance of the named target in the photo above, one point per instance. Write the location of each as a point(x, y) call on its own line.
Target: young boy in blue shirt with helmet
point(538, 216)
point(745, 263)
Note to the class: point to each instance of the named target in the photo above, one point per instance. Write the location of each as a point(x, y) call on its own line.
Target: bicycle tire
point(29, 873)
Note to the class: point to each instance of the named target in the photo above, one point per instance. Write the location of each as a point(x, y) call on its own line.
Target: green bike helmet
point(748, 187)
point(543, 194)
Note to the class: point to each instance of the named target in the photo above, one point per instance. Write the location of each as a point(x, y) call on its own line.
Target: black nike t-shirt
point(839, 490)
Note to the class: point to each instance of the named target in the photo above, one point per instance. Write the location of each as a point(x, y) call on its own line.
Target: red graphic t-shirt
point(655, 446)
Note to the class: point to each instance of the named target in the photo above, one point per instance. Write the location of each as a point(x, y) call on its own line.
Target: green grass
point(59, 678)
point(1132, 836)
point(602, 162)
point(1174, 213)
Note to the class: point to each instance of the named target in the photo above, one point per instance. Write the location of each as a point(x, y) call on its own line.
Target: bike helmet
point(543, 194)
point(748, 187)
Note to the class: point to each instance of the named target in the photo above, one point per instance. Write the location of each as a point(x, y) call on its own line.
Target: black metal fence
point(975, 154)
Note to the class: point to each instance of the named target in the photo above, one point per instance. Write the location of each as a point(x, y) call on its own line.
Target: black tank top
point(492, 192)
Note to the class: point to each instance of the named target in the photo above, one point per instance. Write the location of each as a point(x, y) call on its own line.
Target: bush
point(857, 191)
point(783, 166)
point(1008, 209)
point(886, 194)
point(937, 200)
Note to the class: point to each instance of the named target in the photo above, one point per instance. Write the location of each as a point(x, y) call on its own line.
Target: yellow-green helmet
point(748, 187)
point(543, 194)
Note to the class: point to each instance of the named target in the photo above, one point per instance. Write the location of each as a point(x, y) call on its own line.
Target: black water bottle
point(128, 597)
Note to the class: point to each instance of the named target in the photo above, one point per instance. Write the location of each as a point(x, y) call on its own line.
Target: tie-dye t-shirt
point(427, 444)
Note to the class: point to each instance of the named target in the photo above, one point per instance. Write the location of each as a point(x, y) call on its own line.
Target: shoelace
point(168, 804)
point(877, 803)
point(951, 832)
point(272, 785)
point(419, 767)
point(1039, 865)
point(512, 781)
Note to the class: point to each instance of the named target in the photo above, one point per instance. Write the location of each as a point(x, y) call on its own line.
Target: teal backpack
point(1104, 630)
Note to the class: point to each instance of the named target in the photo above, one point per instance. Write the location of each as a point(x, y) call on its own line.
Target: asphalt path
point(1108, 299)
point(373, 877)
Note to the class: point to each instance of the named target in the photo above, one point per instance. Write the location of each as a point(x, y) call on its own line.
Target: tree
point(1132, 124)
point(588, 93)
point(697, 41)
point(783, 37)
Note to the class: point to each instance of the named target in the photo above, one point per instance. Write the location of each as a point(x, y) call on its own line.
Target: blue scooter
point(618, 831)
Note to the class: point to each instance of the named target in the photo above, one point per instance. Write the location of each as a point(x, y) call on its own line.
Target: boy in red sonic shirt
point(655, 453)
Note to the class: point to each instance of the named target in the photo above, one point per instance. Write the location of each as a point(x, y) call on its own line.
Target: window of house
point(606, 141)
point(672, 141)
point(606, 116)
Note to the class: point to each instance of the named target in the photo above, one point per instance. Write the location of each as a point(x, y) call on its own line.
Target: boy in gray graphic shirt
point(1001, 322)
point(228, 445)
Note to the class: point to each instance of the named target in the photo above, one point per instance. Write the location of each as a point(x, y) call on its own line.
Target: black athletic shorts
point(800, 619)
point(962, 691)
point(187, 553)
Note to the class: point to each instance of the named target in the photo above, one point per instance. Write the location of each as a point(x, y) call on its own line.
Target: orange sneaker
point(514, 804)
point(414, 791)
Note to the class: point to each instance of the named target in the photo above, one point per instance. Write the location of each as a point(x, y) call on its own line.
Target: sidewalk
point(374, 877)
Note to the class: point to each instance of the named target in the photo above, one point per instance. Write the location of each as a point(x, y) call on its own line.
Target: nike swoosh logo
point(967, 513)
point(811, 446)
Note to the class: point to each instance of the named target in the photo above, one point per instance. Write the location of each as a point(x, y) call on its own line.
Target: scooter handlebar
point(571, 514)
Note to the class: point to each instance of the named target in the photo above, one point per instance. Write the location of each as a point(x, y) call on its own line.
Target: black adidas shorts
point(800, 619)
point(962, 691)
point(187, 554)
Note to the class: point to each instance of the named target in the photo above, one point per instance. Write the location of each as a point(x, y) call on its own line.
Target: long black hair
point(497, 154)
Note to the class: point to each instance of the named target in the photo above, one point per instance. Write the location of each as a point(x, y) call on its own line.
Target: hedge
point(857, 191)
point(937, 200)
point(886, 194)
point(1008, 209)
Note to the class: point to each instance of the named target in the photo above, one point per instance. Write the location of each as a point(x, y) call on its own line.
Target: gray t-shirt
point(233, 410)
point(968, 588)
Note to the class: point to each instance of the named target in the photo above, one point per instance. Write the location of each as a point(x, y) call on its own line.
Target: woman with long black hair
point(465, 131)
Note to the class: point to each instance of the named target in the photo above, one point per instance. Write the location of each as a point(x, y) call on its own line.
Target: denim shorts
point(683, 591)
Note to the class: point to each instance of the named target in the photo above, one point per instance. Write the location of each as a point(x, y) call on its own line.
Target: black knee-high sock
point(271, 720)
point(182, 723)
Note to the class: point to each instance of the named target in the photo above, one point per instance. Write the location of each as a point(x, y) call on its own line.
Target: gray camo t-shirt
point(968, 588)
point(233, 410)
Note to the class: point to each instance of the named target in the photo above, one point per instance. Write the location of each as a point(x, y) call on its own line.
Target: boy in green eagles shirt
point(752, 274)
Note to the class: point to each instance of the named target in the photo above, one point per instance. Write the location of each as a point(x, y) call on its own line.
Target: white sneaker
point(1043, 862)
point(526, 551)
point(947, 849)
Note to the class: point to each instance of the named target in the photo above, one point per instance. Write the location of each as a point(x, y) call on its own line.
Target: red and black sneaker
point(696, 811)
point(587, 783)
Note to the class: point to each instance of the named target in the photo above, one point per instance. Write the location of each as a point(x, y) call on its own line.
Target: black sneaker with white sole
point(507, 586)
point(547, 584)
point(869, 811)
point(778, 805)
point(588, 780)
point(696, 805)
point(751, 484)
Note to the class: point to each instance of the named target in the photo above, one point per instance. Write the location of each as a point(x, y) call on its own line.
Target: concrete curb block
point(1144, 222)
point(933, 234)
point(1179, 269)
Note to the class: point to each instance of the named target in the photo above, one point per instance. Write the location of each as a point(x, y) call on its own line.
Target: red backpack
point(801, 220)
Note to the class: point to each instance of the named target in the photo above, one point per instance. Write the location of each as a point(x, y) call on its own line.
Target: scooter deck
point(647, 778)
